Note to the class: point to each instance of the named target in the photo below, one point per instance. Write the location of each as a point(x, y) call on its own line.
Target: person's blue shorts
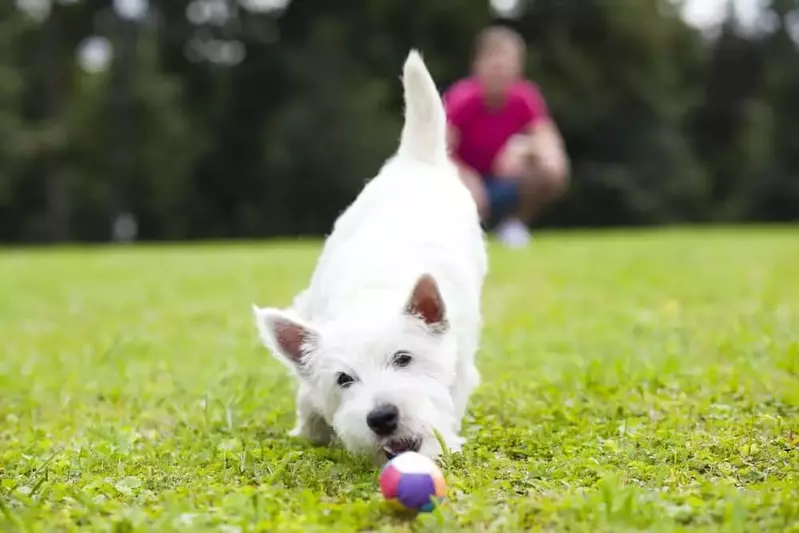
point(503, 198)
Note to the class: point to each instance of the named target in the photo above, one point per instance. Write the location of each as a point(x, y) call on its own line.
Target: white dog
point(383, 340)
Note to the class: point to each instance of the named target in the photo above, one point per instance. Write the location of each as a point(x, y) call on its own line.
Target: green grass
point(632, 381)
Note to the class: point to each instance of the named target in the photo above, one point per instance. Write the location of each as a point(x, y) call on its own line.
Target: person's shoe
point(513, 233)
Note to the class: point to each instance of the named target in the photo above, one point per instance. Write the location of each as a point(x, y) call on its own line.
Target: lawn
point(631, 381)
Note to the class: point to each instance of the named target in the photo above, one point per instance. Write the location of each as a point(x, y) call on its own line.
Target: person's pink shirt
point(483, 131)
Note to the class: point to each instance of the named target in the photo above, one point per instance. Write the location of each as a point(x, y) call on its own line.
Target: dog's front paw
point(313, 428)
point(456, 445)
point(432, 448)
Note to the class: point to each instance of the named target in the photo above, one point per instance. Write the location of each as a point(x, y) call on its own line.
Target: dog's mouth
point(395, 447)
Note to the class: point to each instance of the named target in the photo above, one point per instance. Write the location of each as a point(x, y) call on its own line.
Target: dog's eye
point(344, 380)
point(402, 359)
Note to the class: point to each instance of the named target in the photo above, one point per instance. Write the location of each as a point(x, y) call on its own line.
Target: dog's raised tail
point(424, 135)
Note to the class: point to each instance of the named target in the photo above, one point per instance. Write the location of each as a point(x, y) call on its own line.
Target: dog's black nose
point(383, 419)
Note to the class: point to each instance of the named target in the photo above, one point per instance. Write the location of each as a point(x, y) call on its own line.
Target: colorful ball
point(413, 481)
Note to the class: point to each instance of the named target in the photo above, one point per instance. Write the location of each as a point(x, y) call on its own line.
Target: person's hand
point(546, 152)
point(515, 159)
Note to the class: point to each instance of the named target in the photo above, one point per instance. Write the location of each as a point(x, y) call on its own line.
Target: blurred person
point(508, 149)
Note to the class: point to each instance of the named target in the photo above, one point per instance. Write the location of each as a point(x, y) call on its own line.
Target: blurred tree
point(621, 107)
point(139, 157)
point(343, 136)
point(775, 194)
point(15, 137)
point(217, 119)
point(346, 56)
point(730, 129)
point(46, 52)
point(231, 99)
point(48, 80)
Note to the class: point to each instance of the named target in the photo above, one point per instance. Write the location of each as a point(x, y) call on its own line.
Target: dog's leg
point(310, 424)
point(471, 379)
point(431, 447)
point(466, 382)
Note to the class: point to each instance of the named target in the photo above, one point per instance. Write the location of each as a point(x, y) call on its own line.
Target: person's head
point(499, 55)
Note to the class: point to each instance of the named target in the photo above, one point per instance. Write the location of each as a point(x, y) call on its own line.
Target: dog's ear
point(427, 304)
point(287, 336)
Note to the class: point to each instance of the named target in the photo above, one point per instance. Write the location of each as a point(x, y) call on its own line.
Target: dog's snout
point(383, 419)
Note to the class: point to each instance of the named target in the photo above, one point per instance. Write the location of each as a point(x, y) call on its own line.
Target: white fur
point(414, 218)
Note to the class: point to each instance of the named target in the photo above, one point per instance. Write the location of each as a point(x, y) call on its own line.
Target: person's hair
point(493, 36)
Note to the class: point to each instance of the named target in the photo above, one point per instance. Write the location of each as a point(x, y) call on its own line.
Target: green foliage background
point(664, 124)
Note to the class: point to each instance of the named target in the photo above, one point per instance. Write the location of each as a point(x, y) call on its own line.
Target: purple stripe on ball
point(415, 490)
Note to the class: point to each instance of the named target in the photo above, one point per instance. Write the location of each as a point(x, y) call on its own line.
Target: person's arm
point(546, 142)
point(453, 139)
point(454, 101)
point(548, 149)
